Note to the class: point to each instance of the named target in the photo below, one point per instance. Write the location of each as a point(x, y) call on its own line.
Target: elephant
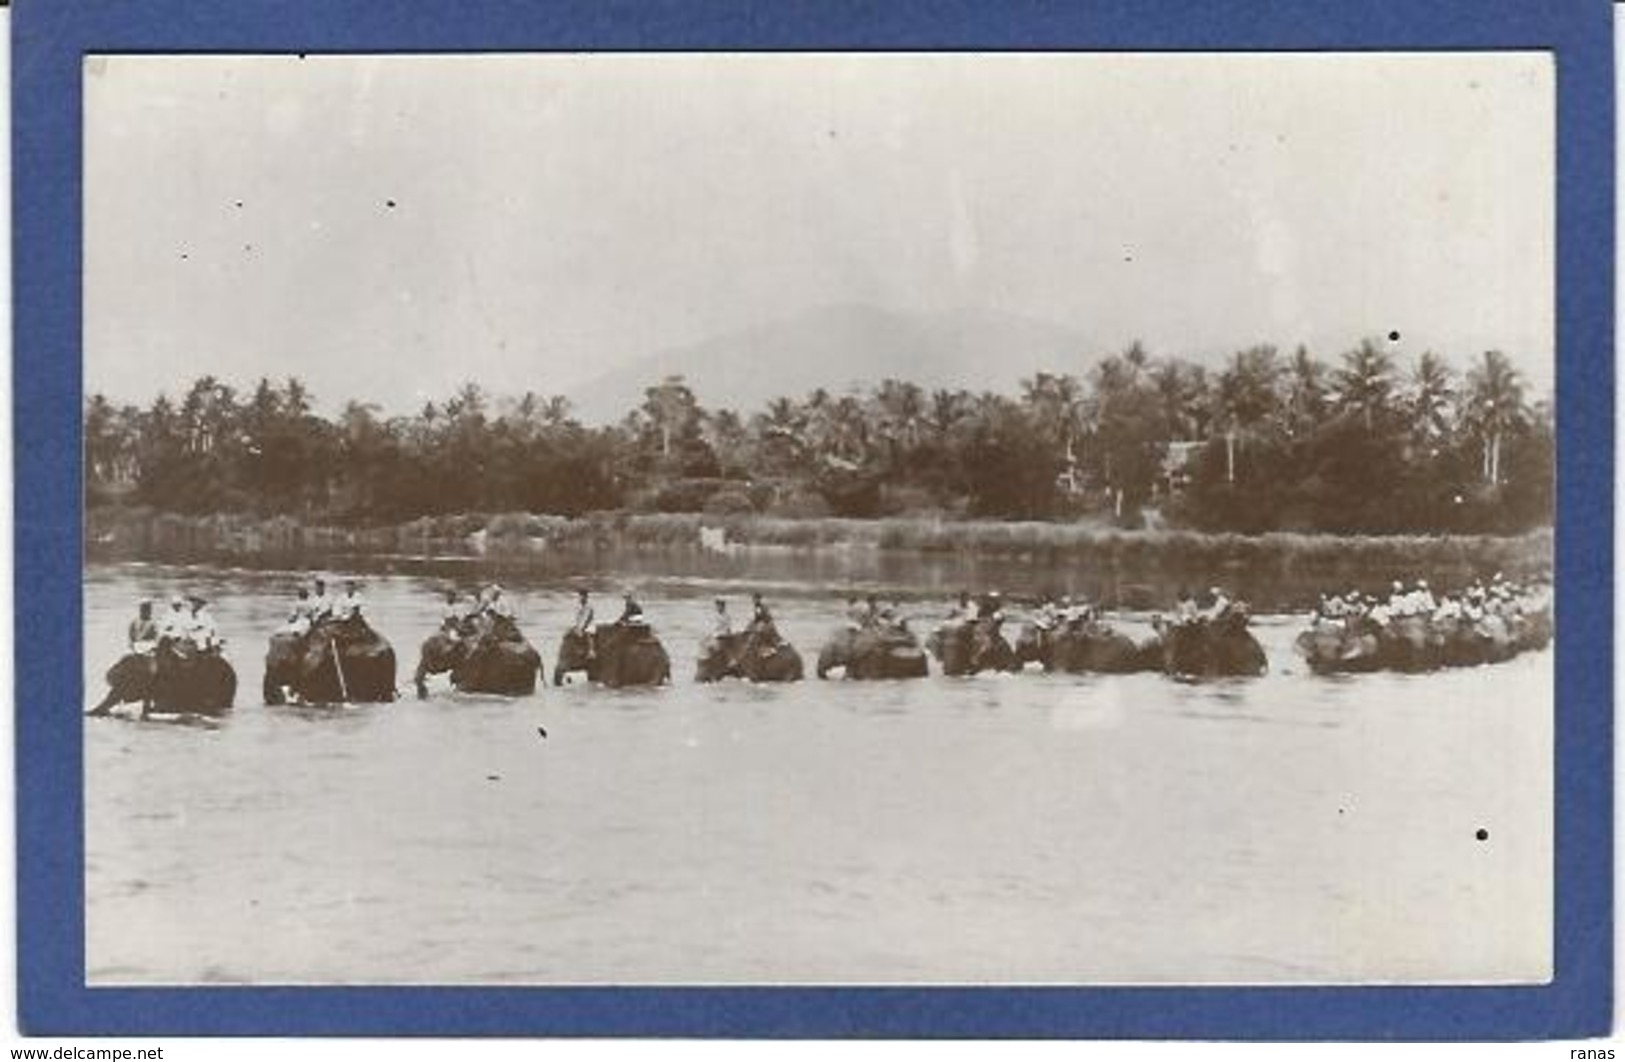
point(1470, 642)
point(1409, 643)
point(334, 663)
point(748, 654)
point(575, 654)
point(719, 658)
point(1094, 646)
point(1032, 645)
point(1331, 649)
point(1414, 643)
point(971, 646)
point(1211, 648)
point(1532, 631)
point(1495, 634)
point(616, 655)
point(1086, 646)
point(173, 680)
point(873, 653)
point(441, 652)
point(496, 660)
point(1150, 654)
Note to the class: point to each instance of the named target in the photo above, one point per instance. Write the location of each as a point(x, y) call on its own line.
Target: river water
point(1009, 829)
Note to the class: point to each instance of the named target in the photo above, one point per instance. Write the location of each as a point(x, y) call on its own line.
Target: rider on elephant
point(891, 627)
point(303, 614)
point(499, 621)
point(762, 628)
point(143, 637)
point(173, 667)
point(1185, 608)
point(1425, 601)
point(492, 603)
point(343, 620)
point(582, 626)
point(856, 613)
point(174, 626)
point(583, 622)
point(348, 606)
point(454, 617)
point(631, 616)
point(200, 628)
point(725, 652)
point(143, 632)
point(1047, 615)
point(722, 628)
point(321, 606)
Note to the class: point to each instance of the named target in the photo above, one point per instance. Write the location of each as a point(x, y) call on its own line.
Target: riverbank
point(131, 533)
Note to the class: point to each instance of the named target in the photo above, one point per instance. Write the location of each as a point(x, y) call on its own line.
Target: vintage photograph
point(819, 518)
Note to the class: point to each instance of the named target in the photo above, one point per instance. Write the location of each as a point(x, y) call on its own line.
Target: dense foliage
point(1271, 442)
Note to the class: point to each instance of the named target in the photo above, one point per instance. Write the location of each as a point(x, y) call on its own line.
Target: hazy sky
point(387, 227)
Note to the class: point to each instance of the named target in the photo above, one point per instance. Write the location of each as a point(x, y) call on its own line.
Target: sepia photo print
point(1048, 518)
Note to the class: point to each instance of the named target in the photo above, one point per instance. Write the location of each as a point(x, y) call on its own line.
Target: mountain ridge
point(840, 347)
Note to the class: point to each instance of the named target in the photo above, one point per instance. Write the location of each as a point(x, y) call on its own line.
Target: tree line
point(1367, 443)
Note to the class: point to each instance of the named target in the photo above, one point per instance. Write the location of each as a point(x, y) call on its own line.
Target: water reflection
point(1142, 580)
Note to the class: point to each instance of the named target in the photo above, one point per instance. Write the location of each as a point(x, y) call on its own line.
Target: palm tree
point(1365, 383)
point(1247, 398)
point(467, 404)
point(817, 420)
point(1121, 418)
point(359, 420)
point(849, 431)
point(1056, 403)
point(1431, 397)
point(159, 440)
point(265, 407)
point(782, 418)
point(778, 435)
point(522, 418)
point(1120, 373)
point(210, 413)
point(671, 407)
point(726, 435)
point(1182, 390)
point(947, 410)
point(101, 441)
point(898, 406)
point(1307, 394)
point(295, 398)
point(1494, 405)
point(557, 411)
point(1136, 357)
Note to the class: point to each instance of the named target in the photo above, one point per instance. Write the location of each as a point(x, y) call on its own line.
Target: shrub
point(909, 501)
point(688, 495)
point(800, 505)
point(730, 501)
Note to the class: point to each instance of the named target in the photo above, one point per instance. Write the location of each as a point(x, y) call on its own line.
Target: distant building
point(1178, 459)
point(1070, 480)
